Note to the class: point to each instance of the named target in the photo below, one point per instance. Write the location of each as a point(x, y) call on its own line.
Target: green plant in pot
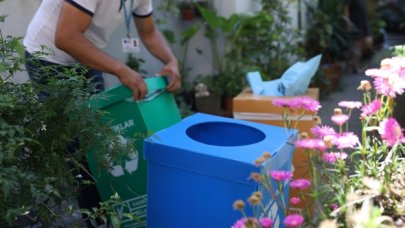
point(268, 41)
point(262, 41)
point(187, 10)
point(329, 30)
point(228, 68)
point(207, 93)
point(329, 34)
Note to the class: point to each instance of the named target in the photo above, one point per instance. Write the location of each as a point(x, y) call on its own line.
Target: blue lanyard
point(127, 16)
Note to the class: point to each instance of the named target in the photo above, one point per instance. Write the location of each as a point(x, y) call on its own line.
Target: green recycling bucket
point(133, 119)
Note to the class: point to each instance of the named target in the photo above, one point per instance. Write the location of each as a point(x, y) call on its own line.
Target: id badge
point(130, 45)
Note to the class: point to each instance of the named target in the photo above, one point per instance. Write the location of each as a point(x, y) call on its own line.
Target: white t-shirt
point(106, 16)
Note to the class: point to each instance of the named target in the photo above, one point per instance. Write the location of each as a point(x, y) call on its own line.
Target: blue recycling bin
point(198, 167)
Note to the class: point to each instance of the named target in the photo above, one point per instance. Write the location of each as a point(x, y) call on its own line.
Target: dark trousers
point(88, 194)
point(358, 15)
point(36, 69)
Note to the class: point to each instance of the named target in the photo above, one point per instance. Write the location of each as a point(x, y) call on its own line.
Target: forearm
point(69, 37)
point(156, 45)
point(85, 52)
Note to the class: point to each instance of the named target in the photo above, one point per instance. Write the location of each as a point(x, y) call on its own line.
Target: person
point(76, 31)
point(357, 10)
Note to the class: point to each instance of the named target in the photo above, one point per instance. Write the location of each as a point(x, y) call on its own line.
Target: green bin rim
point(120, 92)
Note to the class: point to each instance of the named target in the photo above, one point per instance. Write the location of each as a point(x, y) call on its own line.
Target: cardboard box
point(257, 108)
point(198, 167)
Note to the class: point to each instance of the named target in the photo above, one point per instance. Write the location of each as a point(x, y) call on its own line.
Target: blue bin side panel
point(227, 169)
point(180, 198)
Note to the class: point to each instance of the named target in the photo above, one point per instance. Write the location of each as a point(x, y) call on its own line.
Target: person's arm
point(155, 43)
point(69, 37)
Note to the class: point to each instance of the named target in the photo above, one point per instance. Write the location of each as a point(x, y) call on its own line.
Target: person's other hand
point(171, 70)
point(134, 81)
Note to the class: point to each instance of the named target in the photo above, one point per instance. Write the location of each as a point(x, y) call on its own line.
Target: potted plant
point(262, 41)
point(216, 28)
point(207, 94)
point(187, 10)
point(183, 8)
point(270, 39)
point(328, 34)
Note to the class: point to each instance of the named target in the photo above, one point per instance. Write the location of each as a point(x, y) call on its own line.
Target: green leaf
point(169, 35)
point(20, 49)
point(213, 20)
point(189, 33)
point(2, 17)
point(115, 221)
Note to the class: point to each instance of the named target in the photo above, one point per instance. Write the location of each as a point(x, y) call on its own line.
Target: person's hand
point(171, 70)
point(134, 81)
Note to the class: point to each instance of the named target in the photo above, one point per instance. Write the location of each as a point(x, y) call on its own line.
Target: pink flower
point(394, 64)
point(300, 184)
point(279, 175)
point(322, 131)
point(240, 223)
point(341, 155)
point(389, 80)
point(332, 157)
point(334, 206)
point(293, 220)
point(391, 85)
point(266, 222)
point(281, 102)
point(371, 108)
point(346, 140)
point(376, 73)
point(350, 104)
point(391, 132)
point(295, 200)
point(306, 103)
point(329, 158)
point(312, 144)
point(340, 119)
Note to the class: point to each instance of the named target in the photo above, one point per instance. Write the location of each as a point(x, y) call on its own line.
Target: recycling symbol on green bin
point(130, 165)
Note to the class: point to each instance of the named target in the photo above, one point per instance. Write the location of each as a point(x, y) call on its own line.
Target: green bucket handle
point(156, 85)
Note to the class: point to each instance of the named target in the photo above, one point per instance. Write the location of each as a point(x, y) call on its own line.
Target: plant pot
point(210, 104)
point(187, 97)
point(334, 72)
point(187, 14)
point(227, 104)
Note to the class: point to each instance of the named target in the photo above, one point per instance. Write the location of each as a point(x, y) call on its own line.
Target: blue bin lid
point(219, 146)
